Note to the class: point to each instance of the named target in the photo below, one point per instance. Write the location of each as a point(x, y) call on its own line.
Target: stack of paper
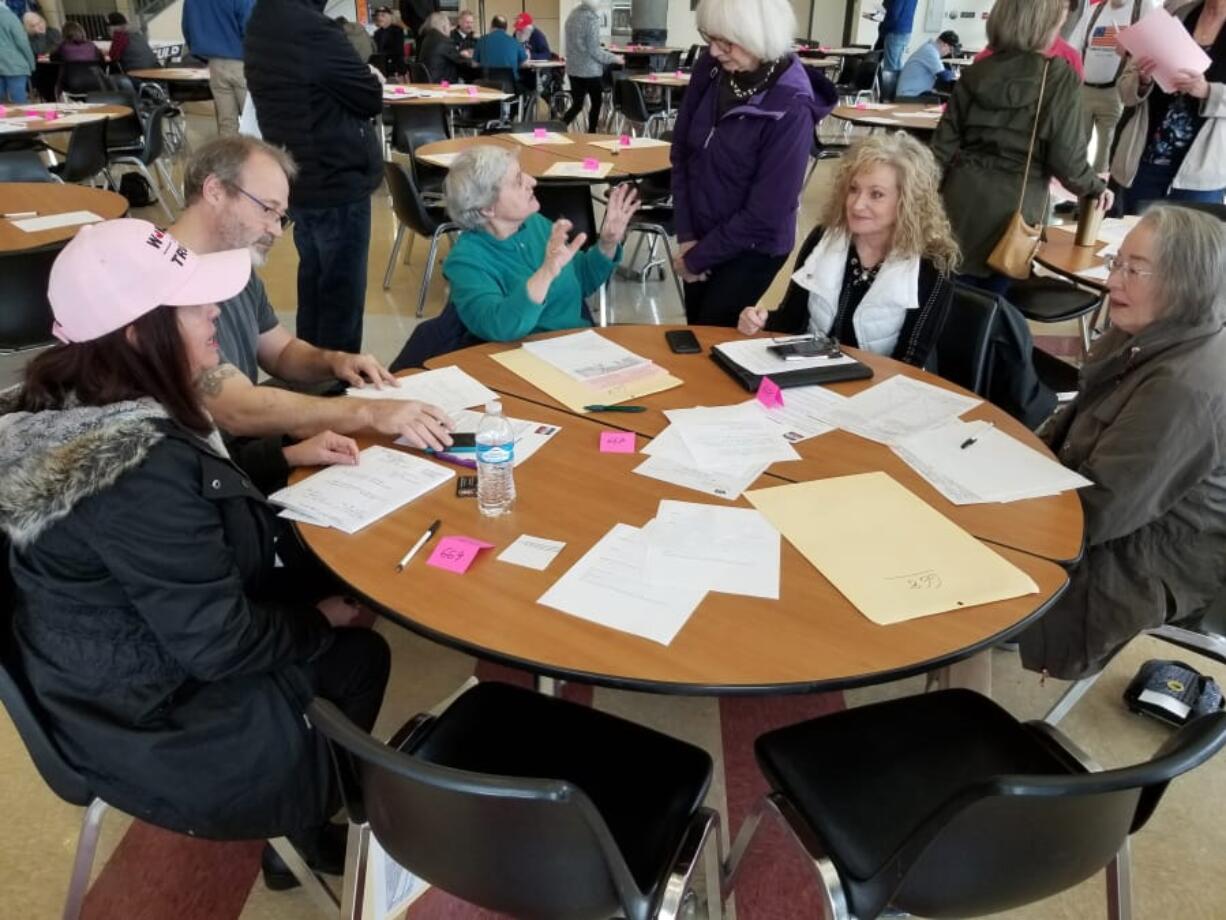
point(898, 407)
point(802, 415)
point(55, 221)
point(449, 388)
point(755, 356)
point(586, 369)
point(886, 550)
point(648, 581)
point(719, 451)
point(973, 463)
point(352, 497)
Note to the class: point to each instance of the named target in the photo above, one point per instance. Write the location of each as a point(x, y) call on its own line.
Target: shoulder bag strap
point(1034, 131)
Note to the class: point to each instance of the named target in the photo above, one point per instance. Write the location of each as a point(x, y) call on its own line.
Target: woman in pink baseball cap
point(172, 656)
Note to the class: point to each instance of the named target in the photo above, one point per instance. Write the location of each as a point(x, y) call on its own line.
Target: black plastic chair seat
point(23, 166)
point(645, 785)
point(1050, 300)
point(924, 750)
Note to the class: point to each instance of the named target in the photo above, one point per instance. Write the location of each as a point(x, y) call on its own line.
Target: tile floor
point(1177, 858)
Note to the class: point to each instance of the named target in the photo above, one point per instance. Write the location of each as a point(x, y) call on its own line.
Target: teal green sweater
point(489, 279)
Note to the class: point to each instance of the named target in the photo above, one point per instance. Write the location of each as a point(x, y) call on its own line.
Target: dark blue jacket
point(538, 46)
point(215, 28)
point(899, 17)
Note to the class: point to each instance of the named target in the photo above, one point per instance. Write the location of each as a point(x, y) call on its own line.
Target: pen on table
point(614, 408)
point(421, 541)
point(969, 441)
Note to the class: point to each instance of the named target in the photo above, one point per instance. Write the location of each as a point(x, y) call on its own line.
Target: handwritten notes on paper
point(532, 552)
point(887, 551)
point(456, 554)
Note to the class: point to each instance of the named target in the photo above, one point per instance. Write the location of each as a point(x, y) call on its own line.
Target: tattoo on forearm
point(210, 382)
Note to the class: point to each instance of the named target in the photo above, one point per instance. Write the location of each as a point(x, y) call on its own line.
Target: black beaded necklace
point(745, 92)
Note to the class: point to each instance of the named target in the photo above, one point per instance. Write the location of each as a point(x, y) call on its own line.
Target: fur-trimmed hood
point(51, 460)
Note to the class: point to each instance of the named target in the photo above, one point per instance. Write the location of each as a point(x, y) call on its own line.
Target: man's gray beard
point(258, 256)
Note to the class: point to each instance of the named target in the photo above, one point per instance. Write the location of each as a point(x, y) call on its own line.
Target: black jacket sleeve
point(180, 574)
point(792, 315)
point(262, 459)
point(922, 327)
point(345, 78)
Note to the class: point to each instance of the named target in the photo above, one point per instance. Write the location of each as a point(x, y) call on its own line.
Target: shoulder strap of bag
point(1034, 131)
point(1098, 11)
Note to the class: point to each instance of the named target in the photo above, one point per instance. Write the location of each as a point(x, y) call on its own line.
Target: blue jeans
point(13, 88)
point(333, 244)
point(1153, 183)
point(895, 45)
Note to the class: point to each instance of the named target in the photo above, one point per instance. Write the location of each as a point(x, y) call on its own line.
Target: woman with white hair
point(438, 52)
point(512, 272)
point(1148, 428)
point(740, 149)
point(585, 62)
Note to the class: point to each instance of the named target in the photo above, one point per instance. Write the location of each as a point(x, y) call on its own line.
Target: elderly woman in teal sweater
point(512, 272)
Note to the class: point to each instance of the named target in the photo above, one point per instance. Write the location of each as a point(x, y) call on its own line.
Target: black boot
point(323, 850)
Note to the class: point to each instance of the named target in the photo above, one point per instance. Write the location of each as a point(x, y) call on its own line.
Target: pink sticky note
point(399, 90)
point(3, 111)
point(861, 105)
point(456, 554)
point(625, 141)
point(540, 133)
point(653, 77)
point(446, 84)
point(617, 442)
point(591, 163)
point(769, 394)
point(473, 91)
point(679, 73)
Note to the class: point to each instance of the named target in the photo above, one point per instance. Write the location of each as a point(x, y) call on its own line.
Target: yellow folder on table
point(573, 394)
point(888, 551)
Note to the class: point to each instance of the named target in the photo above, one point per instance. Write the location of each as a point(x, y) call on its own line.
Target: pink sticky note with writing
point(473, 91)
point(456, 554)
point(591, 163)
point(540, 133)
point(446, 84)
point(769, 394)
point(625, 141)
point(617, 442)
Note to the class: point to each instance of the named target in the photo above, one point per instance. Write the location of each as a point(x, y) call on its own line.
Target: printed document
point(449, 388)
point(713, 547)
point(898, 407)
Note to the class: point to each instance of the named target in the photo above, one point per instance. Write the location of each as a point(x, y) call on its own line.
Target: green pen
point(614, 408)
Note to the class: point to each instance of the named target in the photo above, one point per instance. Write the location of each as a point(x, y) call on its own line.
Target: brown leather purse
point(1019, 244)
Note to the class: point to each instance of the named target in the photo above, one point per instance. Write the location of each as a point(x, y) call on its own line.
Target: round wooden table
point(173, 74)
point(536, 160)
point(821, 63)
point(453, 95)
point(48, 198)
point(909, 116)
point(669, 81)
point(68, 118)
point(810, 639)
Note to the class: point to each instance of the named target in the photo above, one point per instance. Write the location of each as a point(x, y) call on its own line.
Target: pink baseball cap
point(115, 272)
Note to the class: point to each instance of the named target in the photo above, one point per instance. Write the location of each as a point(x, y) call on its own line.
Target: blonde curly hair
point(923, 228)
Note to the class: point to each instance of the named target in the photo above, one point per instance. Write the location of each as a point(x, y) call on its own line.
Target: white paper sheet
point(1162, 37)
point(712, 547)
point(716, 436)
point(723, 482)
point(576, 170)
point(531, 140)
point(996, 468)
point(392, 888)
point(606, 587)
point(586, 356)
point(898, 407)
point(440, 159)
point(449, 388)
point(636, 143)
point(754, 355)
point(54, 221)
point(352, 497)
point(532, 552)
point(801, 415)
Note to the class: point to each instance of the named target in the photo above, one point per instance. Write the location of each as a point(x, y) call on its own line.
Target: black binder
point(798, 378)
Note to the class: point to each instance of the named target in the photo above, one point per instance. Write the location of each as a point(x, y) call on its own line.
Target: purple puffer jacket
point(737, 180)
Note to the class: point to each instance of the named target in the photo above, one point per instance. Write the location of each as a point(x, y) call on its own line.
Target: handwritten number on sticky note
point(617, 442)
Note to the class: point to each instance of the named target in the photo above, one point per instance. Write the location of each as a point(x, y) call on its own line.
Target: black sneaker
point(324, 852)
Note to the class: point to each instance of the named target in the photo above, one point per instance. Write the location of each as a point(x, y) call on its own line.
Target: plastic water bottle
point(495, 462)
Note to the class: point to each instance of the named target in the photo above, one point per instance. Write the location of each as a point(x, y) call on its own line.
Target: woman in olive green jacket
point(981, 142)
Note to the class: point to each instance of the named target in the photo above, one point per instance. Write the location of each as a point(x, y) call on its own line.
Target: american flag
point(1104, 37)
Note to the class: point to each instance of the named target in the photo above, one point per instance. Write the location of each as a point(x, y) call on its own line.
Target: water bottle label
point(496, 453)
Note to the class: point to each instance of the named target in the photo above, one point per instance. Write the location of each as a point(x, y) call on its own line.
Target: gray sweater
point(584, 56)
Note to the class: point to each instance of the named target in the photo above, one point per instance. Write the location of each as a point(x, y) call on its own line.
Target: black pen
point(969, 441)
point(421, 541)
point(614, 408)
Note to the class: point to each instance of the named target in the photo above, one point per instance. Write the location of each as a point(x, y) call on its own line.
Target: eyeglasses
point(269, 211)
point(722, 43)
point(1127, 269)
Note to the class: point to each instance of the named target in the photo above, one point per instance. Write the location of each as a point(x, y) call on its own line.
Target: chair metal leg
point(701, 838)
point(391, 259)
point(168, 180)
point(408, 253)
point(354, 889)
point(157, 190)
point(1119, 884)
point(319, 893)
point(83, 861)
point(604, 305)
point(1072, 695)
point(668, 251)
point(427, 274)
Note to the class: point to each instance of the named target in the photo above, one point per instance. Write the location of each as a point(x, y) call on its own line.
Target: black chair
point(23, 166)
point(87, 156)
point(532, 806)
point(413, 214)
point(944, 805)
point(887, 84)
point(150, 152)
point(436, 336)
point(419, 73)
point(631, 105)
point(123, 135)
point(573, 201)
point(78, 78)
point(691, 56)
point(858, 76)
point(503, 78)
point(25, 321)
point(1045, 299)
point(27, 715)
point(527, 127)
point(964, 348)
point(485, 115)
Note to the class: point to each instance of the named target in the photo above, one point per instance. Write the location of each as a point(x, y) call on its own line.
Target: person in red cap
point(532, 38)
point(171, 654)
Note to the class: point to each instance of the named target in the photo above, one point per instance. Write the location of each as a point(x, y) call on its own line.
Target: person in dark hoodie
point(317, 100)
point(171, 655)
point(740, 149)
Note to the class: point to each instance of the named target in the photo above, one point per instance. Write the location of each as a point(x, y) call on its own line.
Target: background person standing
point(16, 58)
point(214, 30)
point(896, 31)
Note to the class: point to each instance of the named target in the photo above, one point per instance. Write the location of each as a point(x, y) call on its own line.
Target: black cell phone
point(464, 439)
point(466, 486)
point(683, 342)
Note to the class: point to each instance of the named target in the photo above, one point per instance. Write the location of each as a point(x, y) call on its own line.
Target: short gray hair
point(225, 157)
point(764, 28)
point(473, 182)
point(1189, 263)
point(1024, 25)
